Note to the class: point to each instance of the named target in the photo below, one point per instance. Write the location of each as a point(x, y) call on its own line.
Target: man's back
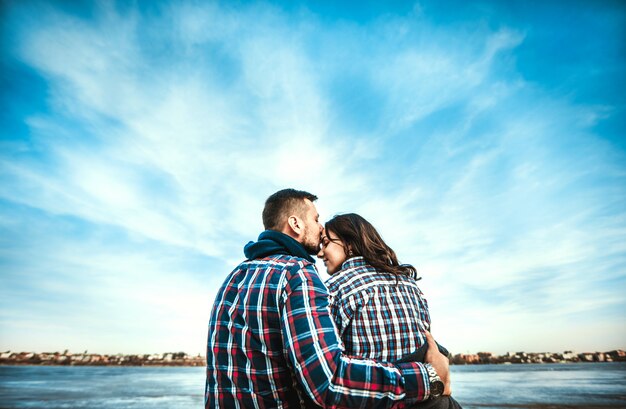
point(246, 350)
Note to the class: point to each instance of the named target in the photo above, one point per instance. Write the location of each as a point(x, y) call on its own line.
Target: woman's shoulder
point(355, 277)
point(352, 279)
point(351, 273)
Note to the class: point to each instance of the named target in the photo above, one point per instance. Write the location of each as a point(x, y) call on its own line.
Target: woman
point(379, 310)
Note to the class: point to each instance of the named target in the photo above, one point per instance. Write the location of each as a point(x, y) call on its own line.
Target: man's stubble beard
point(311, 248)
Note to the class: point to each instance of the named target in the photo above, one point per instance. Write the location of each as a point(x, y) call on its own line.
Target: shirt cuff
point(416, 381)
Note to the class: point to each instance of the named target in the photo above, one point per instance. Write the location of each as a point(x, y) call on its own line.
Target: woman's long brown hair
point(362, 238)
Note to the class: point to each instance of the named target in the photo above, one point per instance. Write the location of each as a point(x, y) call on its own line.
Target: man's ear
point(295, 224)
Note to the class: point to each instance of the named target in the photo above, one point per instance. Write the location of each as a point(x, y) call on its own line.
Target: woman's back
point(379, 315)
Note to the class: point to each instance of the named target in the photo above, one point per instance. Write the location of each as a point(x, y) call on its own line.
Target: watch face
point(436, 388)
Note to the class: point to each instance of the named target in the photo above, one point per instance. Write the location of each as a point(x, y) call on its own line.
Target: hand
point(440, 362)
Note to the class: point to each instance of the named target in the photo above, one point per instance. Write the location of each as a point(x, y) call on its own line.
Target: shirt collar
point(357, 261)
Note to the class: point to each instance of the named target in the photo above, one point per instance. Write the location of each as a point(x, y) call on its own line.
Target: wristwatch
point(436, 384)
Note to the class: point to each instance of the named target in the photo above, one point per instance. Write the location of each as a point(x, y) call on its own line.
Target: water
point(600, 385)
point(53, 387)
point(582, 385)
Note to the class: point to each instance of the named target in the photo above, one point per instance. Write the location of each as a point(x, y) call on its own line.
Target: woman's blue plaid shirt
point(379, 315)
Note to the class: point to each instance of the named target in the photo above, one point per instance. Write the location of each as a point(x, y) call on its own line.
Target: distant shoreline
point(85, 359)
point(182, 359)
point(616, 355)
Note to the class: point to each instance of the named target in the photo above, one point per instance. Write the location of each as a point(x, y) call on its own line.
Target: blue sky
point(139, 140)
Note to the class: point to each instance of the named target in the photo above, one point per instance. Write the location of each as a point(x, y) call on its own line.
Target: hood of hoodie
point(272, 242)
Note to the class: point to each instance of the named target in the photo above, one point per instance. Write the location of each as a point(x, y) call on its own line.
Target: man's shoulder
point(285, 271)
point(278, 261)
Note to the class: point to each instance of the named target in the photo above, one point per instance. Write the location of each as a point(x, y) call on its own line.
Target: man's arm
point(440, 362)
point(315, 352)
point(420, 354)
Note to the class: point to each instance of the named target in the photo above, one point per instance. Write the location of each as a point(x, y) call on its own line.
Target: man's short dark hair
point(283, 204)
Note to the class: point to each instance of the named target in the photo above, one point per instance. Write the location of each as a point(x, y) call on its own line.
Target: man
point(272, 342)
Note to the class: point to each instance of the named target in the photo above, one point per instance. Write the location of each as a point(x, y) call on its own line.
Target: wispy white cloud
point(170, 129)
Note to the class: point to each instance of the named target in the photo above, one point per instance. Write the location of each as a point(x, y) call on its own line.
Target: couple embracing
point(279, 337)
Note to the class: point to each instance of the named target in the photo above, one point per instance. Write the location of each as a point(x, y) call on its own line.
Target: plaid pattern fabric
point(379, 315)
point(272, 344)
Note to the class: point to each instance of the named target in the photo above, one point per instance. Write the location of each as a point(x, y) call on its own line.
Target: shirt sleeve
point(329, 377)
